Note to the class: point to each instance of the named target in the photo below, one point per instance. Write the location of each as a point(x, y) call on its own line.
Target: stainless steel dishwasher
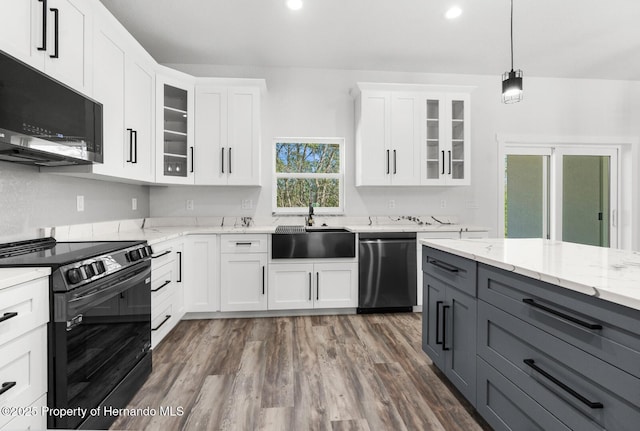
point(387, 272)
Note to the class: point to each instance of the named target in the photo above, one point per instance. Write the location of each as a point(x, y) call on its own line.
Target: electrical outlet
point(80, 203)
point(134, 204)
point(472, 205)
point(392, 203)
point(190, 204)
point(443, 203)
point(247, 204)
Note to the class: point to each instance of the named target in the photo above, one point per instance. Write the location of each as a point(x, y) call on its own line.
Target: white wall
point(30, 200)
point(313, 102)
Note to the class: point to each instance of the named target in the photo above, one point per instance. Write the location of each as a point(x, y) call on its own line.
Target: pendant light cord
point(512, 35)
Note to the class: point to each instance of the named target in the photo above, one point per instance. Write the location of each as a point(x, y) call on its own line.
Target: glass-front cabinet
point(446, 140)
point(175, 148)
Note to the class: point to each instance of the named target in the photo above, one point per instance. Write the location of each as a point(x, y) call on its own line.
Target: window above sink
point(308, 171)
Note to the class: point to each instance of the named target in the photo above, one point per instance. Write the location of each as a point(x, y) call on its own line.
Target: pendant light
point(512, 81)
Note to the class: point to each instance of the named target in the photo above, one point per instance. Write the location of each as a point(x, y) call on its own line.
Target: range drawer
point(567, 315)
point(581, 390)
point(243, 243)
point(23, 369)
point(505, 407)
point(452, 269)
point(23, 307)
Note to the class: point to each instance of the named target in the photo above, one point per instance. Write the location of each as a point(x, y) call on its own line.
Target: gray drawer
point(452, 269)
point(617, 342)
point(507, 343)
point(505, 407)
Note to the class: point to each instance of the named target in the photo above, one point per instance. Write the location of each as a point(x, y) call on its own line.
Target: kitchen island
point(536, 334)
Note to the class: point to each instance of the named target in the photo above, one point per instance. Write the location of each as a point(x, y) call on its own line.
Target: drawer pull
point(6, 386)
point(444, 327)
point(163, 285)
point(167, 317)
point(438, 304)
point(8, 316)
point(582, 323)
point(238, 244)
point(161, 254)
point(594, 405)
point(443, 265)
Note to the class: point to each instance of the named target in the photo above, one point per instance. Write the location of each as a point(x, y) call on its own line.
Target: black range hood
point(43, 122)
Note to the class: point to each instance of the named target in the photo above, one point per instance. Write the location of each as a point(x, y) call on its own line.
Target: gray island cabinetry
point(544, 355)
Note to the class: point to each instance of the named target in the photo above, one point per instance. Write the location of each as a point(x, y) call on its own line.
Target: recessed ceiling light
point(453, 12)
point(294, 4)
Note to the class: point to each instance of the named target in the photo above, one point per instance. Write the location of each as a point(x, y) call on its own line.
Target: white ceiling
point(553, 38)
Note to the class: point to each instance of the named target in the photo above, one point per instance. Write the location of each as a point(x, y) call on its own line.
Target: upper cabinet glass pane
point(457, 109)
point(307, 158)
point(433, 109)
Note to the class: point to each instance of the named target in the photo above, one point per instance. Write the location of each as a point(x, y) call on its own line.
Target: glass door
point(587, 181)
point(562, 193)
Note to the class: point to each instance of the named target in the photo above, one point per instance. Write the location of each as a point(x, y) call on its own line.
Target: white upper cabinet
point(175, 150)
point(445, 146)
point(408, 135)
point(124, 84)
point(227, 132)
point(54, 36)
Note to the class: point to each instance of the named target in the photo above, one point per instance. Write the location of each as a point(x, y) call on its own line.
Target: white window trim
point(339, 176)
point(626, 148)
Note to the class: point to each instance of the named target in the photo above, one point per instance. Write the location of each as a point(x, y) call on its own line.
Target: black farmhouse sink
point(320, 242)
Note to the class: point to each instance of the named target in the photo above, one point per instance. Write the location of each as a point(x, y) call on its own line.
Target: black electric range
point(99, 331)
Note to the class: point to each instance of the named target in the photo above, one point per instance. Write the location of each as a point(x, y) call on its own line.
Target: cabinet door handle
point(229, 160)
point(309, 286)
point(531, 302)
point(387, 162)
point(130, 160)
point(223, 160)
point(444, 327)
point(263, 279)
point(6, 386)
point(167, 282)
point(442, 162)
point(7, 316)
point(135, 146)
point(317, 286)
point(442, 265)
point(166, 317)
point(438, 304)
point(449, 162)
point(395, 170)
point(44, 26)
point(56, 32)
point(592, 404)
point(179, 280)
point(192, 151)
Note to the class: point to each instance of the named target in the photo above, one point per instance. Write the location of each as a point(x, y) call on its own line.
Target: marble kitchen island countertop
point(610, 274)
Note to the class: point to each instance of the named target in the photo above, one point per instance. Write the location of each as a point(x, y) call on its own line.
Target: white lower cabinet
point(243, 265)
point(243, 282)
point(313, 285)
point(23, 353)
point(201, 275)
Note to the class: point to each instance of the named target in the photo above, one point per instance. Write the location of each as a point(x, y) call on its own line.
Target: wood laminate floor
point(348, 372)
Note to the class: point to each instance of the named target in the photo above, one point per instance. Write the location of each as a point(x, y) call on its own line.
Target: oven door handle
point(114, 288)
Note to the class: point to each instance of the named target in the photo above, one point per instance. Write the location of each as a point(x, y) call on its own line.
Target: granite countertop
point(13, 276)
point(609, 274)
